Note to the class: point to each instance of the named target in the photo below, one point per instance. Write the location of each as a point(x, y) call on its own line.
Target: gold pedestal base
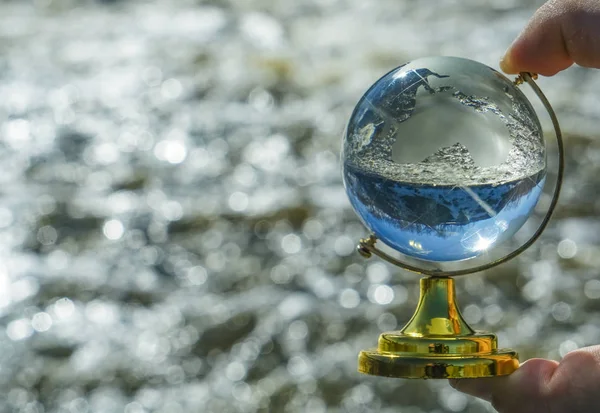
point(437, 343)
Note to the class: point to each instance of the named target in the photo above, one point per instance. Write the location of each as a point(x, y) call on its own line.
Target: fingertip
point(506, 64)
point(527, 56)
point(528, 380)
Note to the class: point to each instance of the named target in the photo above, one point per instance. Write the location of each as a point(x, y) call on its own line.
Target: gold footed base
point(437, 343)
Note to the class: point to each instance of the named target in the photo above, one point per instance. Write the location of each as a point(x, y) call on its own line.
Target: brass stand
point(437, 343)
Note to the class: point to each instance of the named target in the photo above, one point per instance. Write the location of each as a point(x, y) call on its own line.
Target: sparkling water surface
point(174, 233)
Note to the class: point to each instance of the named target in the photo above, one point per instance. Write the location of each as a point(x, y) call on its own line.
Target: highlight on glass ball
point(444, 159)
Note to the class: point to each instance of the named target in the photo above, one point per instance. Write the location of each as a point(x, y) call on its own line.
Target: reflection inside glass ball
point(444, 159)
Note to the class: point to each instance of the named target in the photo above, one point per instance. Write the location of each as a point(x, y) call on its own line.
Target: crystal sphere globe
point(443, 159)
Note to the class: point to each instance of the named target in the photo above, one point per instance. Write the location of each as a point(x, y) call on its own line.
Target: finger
point(575, 384)
point(525, 390)
point(560, 33)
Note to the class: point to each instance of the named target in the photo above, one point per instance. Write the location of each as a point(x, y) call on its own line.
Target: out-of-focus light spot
point(313, 229)
point(64, 308)
point(454, 401)
point(172, 210)
point(378, 273)
point(148, 346)
point(592, 289)
point(474, 285)
point(6, 217)
point(152, 76)
point(99, 180)
point(24, 288)
point(5, 287)
point(238, 201)
point(101, 313)
point(291, 244)
point(197, 275)
point(349, 298)
point(295, 305)
point(79, 404)
point(245, 174)
point(64, 116)
point(146, 280)
point(175, 375)
point(280, 274)
point(316, 405)
point(261, 99)
point(242, 392)
point(134, 407)
point(527, 326)
point(17, 97)
point(324, 288)
point(171, 89)
point(57, 260)
point(536, 289)
point(216, 260)
point(567, 249)
point(113, 229)
point(298, 330)
point(380, 294)
point(493, 314)
point(41, 322)
point(16, 133)
point(566, 347)
point(19, 329)
point(400, 294)
point(263, 30)
point(46, 204)
point(362, 394)
point(235, 371)
point(328, 122)
point(106, 153)
point(308, 386)
point(336, 331)
point(47, 235)
point(343, 246)
point(387, 322)
point(173, 152)
point(561, 311)
point(269, 153)
point(298, 366)
point(122, 201)
point(472, 314)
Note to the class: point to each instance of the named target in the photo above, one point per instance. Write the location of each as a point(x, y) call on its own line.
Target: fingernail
point(506, 63)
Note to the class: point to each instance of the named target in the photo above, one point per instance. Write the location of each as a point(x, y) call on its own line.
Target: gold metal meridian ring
point(367, 247)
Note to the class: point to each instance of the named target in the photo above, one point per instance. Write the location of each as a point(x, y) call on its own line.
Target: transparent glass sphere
point(443, 159)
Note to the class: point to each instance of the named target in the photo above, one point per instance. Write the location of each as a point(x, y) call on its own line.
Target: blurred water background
point(174, 235)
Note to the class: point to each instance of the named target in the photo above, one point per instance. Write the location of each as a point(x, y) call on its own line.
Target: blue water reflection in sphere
point(443, 159)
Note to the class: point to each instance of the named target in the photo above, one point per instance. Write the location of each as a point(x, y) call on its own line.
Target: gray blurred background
point(174, 234)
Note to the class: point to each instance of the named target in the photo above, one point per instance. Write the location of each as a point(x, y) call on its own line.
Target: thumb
point(560, 33)
point(525, 390)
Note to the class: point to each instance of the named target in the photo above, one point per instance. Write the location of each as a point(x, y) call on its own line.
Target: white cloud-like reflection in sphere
point(444, 159)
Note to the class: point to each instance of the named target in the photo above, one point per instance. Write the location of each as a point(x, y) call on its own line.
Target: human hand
point(560, 33)
point(543, 386)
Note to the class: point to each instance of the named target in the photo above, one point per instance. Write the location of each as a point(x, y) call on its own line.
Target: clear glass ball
point(443, 159)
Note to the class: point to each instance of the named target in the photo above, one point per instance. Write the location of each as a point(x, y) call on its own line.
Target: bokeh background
point(174, 234)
